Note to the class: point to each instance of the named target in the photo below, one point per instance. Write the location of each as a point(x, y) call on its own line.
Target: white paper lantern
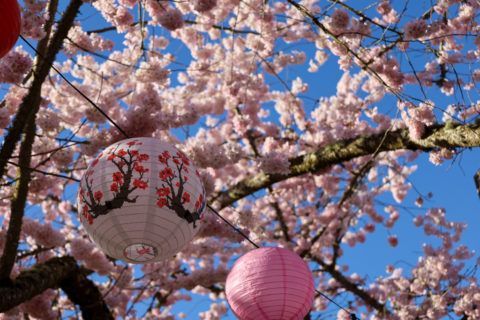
point(140, 200)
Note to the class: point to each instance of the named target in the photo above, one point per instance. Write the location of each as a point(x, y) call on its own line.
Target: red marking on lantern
point(143, 250)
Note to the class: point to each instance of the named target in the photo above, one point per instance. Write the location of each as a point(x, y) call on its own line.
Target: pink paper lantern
point(140, 200)
point(270, 284)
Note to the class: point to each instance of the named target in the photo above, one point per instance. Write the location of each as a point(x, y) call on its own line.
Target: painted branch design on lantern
point(127, 179)
point(171, 194)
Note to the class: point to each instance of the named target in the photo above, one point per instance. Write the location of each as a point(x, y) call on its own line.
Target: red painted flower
point(199, 201)
point(176, 161)
point(132, 143)
point(180, 154)
point(143, 157)
point(140, 184)
point(162, 159)
point(98, 195)
point(114, 187)
point(166, 173)
point(162, 202)
point(89, 218)
point(185, 161)
point(111, 157)
point(95, 162)
point(139, 168)
point(143, 250)
point(87, 215)
point(186, 197)
point(162, 192)
point(121, 153)
point(117, 177)
point(184, 158)
point(166, 154)
point(134, 153)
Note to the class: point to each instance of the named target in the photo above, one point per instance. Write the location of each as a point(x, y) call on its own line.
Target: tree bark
point(84, 293)
point(58, 272)
point(17, 207)
point(448, 135)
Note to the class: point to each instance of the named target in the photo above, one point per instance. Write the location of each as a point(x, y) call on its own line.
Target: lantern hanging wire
point(352, 315)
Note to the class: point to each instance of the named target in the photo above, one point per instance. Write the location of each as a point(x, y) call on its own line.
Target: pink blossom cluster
point(214, 227)
point(83, 42)
point(118, 16)
point(34, 16)
point(417, 117)
point(43, 234)
point(91, 256)
point(14, 66)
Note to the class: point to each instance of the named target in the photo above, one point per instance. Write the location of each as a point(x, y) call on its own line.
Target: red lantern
point(10, 23)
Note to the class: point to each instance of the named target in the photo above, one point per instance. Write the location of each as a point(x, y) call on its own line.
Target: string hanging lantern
point(140, 200)
point(10, 23)
point(270, 284)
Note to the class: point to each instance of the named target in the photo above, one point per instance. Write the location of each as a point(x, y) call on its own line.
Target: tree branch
point(18, 204)
point(448, 135)
point(353, 288)
point(34, 281)
point(31, 102)
point(218, 27)
point(83, 292)
point(58, 272)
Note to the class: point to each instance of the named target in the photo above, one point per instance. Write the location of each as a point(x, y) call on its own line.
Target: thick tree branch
point(83, 292)
point(449, 135)
point(31, 102)
point(36, 280)
point(58, 272)
point(18, 204)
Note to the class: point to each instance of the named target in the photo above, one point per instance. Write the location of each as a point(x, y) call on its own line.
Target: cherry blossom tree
point(234, 85)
